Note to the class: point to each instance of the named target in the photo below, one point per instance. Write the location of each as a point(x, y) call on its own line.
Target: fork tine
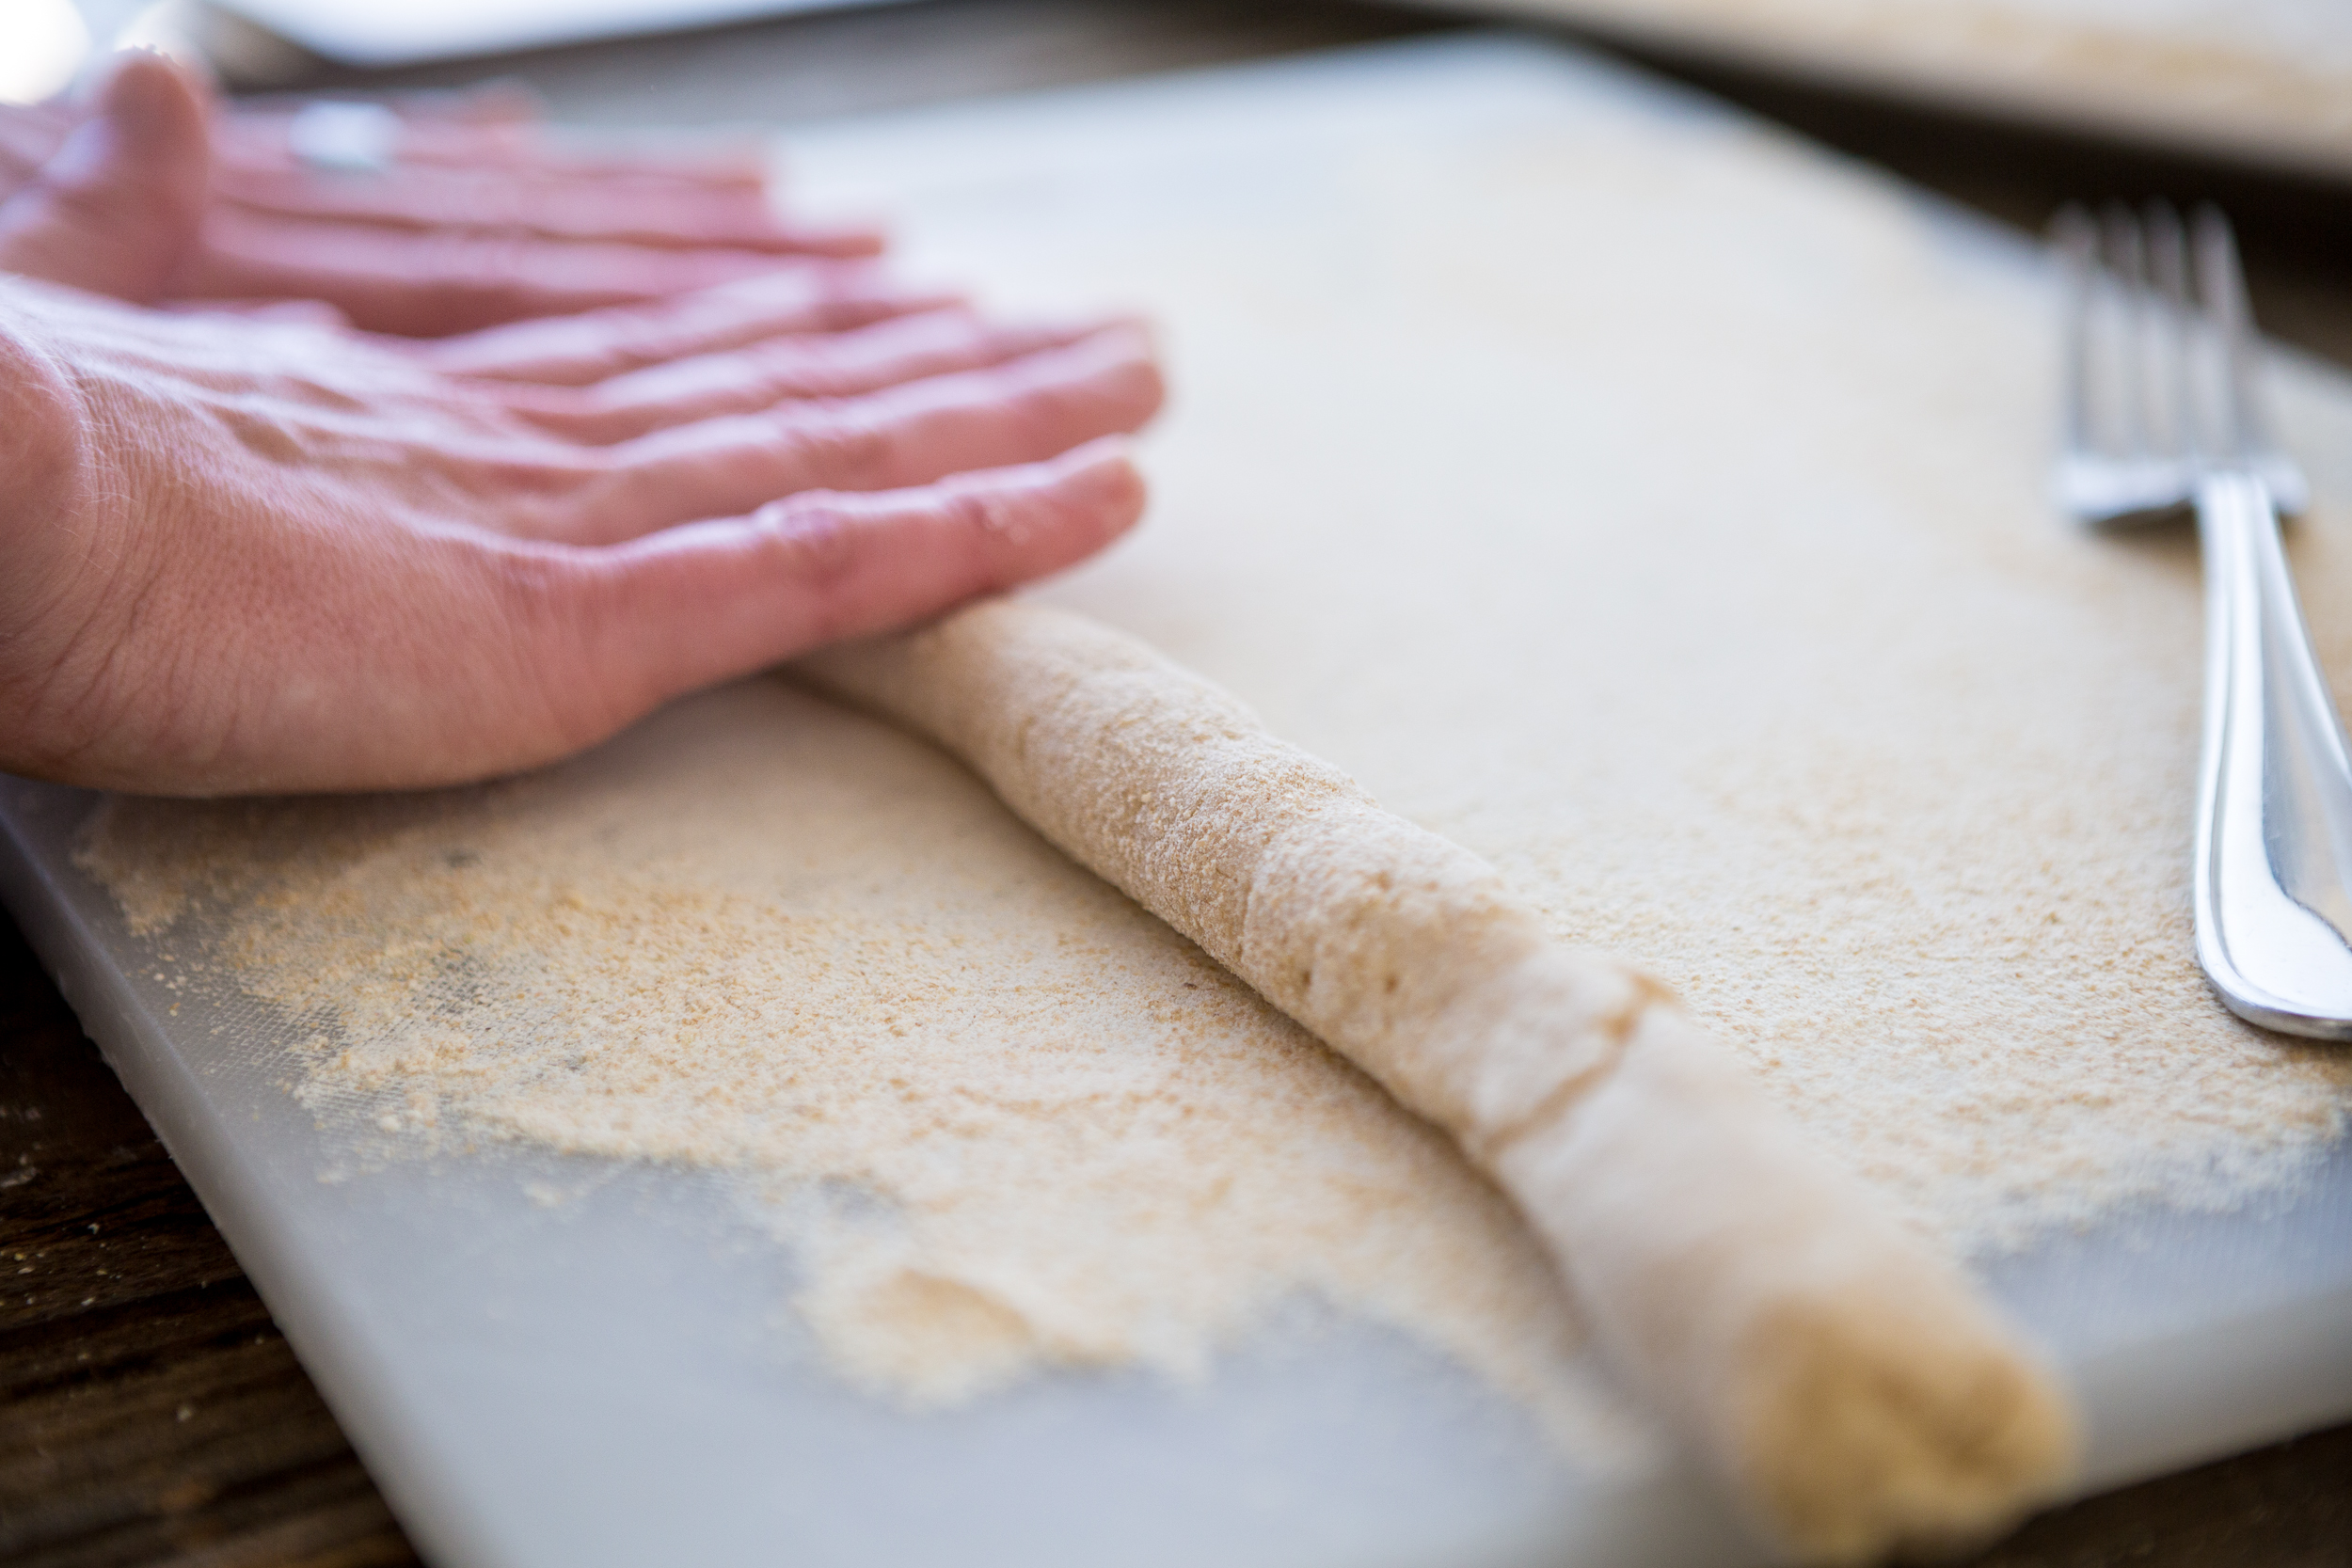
point(2173, 324)
point(2126, 258)
point(2117, 396)
point(2076, 238)
point(2245, 412)
point(2224, 286)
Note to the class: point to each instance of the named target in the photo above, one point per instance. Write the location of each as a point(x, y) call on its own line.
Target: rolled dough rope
point(1846, 1379)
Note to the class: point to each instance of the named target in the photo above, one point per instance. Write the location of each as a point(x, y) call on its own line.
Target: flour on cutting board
point(1699, 577)
point(1004, 1119)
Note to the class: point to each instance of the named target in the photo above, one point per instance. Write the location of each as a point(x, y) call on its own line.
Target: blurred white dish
point(401, 32)
point(2267, 81)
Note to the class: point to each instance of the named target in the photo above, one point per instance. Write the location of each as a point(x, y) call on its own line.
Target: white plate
point(382, 33)
point(2266, 82)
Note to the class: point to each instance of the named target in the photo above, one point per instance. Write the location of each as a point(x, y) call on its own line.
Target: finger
point(434, 285)
point(663, 215)
point(120, 205)
point(800, 366)
point(500, 101)
point(592, 346)
point(710, 162)
point(305, 312)
point(679, 610)
point(262, 140)
point(258, 139)
point(1024, 411)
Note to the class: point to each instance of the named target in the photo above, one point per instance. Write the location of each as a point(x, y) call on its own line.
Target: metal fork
point(2162, 410)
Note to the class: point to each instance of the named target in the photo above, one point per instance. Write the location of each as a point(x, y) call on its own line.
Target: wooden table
point(149, 1410)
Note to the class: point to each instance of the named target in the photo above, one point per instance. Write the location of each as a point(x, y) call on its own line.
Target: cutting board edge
point(58, 923)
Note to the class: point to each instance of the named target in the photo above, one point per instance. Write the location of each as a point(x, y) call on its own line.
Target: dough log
point(1845, 1378)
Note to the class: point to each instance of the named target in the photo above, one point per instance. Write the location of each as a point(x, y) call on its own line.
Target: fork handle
point(2273, 880)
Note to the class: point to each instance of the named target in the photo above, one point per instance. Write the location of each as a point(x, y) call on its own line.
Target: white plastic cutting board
point(609, 1381)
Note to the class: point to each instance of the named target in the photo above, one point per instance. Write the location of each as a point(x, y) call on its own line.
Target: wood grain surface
point(151, 1413)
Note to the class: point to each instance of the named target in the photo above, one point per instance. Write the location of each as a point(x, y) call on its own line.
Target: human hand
point(150, 193)
point(251, 557)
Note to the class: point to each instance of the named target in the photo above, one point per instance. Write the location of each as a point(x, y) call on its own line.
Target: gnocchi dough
point(1846, 1380)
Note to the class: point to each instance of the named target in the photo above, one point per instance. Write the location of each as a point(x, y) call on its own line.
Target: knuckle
point(549, 605)
point(814, 539)
point(997, 532)
point(998, 525)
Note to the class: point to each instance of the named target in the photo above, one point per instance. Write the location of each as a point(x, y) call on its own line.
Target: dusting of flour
point(1005, 1120)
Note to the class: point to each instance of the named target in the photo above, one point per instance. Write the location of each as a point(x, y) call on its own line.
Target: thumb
point(119, 206)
